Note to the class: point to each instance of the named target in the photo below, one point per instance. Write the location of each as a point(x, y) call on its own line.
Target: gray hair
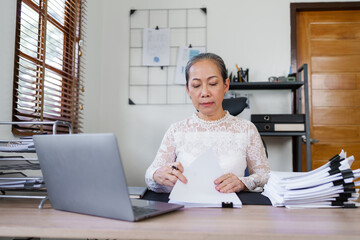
point(206, 56)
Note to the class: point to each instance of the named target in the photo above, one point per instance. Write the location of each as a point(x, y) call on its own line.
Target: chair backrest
point(235, 106)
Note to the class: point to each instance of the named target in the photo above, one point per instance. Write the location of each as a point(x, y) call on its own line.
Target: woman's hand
point(168, 175)
point(229, 183)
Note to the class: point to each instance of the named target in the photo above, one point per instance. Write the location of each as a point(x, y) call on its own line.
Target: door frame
point(303, 7)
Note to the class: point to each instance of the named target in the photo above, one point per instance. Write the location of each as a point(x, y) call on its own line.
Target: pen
point(238, 73)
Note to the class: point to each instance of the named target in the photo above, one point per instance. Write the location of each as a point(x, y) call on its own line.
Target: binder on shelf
point(280, 127)
point(278, 118)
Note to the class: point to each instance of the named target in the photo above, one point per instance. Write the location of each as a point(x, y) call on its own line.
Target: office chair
point(235, 106)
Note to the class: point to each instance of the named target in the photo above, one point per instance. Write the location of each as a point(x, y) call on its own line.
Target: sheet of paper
point(13, 146)
point(184, 55)
point(156, 47)
point(200, 189)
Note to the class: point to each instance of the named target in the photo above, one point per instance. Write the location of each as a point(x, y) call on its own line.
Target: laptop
point(83, 173)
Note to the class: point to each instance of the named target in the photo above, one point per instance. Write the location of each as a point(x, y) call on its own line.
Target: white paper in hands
point(200, 190)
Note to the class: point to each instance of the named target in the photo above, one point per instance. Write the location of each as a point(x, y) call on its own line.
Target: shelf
point(19, 165)
point(295, 87)
point(266, 85)
point(280, 134)
point(41, 188)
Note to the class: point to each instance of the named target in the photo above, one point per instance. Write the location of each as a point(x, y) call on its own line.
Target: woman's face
point(206, 89)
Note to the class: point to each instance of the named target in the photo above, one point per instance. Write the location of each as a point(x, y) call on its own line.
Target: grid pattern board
point(150, 85)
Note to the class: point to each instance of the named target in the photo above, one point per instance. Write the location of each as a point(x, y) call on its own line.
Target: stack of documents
point(23, 145)
point(200, 190)
point(18, 181)
point(331, 185)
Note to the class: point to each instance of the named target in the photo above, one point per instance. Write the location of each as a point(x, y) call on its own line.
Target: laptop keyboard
point(142, 211)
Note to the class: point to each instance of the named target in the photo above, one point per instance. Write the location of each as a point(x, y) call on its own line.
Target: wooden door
point(329, 41)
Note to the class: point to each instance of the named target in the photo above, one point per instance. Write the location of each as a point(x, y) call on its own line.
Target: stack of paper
point(331, 185)
point(22, 145)
point(17, 181)
point(200, 190)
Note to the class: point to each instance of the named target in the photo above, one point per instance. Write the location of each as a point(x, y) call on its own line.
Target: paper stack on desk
point(331, 185)
point(22, 145)
point(15, 180)
point(200, 190)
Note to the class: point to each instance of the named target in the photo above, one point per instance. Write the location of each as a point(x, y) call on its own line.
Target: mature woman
point(236, 142)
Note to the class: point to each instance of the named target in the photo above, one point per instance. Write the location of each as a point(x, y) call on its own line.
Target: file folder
point(280, 127)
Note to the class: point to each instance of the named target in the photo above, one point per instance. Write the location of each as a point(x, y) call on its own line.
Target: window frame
point(72, 88)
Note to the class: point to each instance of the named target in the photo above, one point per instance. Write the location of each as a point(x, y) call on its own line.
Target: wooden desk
point(21, 217)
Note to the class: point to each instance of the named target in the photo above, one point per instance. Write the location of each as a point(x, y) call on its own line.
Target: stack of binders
point(331, 185)
point(279, 122)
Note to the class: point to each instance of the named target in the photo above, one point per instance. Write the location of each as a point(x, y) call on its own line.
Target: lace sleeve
point(257, 162)
point(165, 155)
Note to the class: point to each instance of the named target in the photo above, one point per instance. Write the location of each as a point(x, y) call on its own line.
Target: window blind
point(48, 83)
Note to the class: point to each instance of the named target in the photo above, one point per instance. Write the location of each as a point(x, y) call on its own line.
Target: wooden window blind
point(49, 45)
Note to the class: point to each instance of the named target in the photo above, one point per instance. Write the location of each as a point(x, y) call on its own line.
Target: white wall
point(7, 40)
point(253, 34)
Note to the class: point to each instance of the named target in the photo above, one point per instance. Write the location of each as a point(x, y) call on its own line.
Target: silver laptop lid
point(83, 173)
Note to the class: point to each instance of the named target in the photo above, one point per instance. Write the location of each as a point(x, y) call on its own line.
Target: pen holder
point(234, 77)
point(243, 75)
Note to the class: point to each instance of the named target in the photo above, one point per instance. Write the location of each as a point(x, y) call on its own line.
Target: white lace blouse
point(236, 143)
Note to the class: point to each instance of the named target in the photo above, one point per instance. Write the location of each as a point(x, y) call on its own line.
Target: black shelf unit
point(282, 134)
point(295, 88)
point(266, 85)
